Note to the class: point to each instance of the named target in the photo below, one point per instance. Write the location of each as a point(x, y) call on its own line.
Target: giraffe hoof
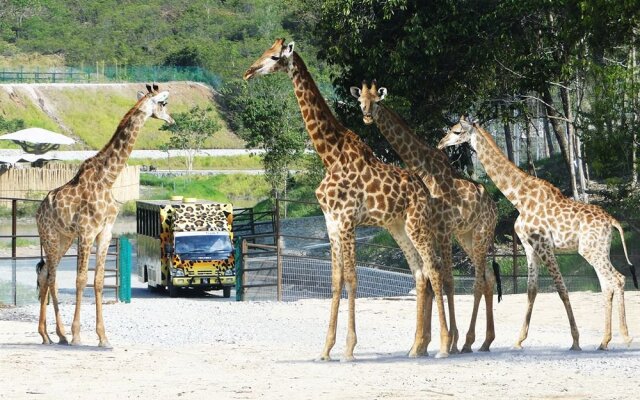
point(602, 347)
point(416, 352)
point(63, 341)
point(454, 351)
point(466, 349)
point(76, 342)
point(576, 347)
point(105, 345)
point(517, 346)
point(628, 341)
point(346, 359)
point(325, 357)
point(484, 348)
point(442, 355)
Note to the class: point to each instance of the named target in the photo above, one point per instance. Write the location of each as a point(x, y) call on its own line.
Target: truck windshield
point(213, 246)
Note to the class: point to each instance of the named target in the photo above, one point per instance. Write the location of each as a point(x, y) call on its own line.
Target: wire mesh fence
point(300, 266)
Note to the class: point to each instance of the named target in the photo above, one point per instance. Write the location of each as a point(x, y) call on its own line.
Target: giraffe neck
point(112, 158)
point(324, 129)
point(413, 151)
point(507, 177)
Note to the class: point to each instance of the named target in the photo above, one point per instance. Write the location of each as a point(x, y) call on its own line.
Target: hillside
point(89, 113)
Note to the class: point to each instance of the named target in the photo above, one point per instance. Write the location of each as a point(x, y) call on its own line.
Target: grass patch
point(93, 112)
point(240, 189)
point(204, 162)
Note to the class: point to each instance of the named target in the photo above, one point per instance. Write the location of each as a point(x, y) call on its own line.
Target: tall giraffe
point(358, 189)
point(467, 207)
point(549, 221)
point(84, 208)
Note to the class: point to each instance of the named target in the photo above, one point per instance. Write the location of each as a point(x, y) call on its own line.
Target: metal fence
point(114, 73)
point(298, 265)
point(20, 252)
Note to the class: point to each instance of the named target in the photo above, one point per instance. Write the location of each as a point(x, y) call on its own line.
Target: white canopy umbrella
point(37, 140)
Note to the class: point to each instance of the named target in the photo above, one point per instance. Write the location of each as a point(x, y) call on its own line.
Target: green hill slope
point(90, 113)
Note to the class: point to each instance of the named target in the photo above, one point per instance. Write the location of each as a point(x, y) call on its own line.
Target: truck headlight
point(177, 272)
point(229, 272)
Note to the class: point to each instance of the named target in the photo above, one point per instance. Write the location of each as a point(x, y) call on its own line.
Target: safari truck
point(185, 244)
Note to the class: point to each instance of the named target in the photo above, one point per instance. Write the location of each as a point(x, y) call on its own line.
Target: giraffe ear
point(155, 87)
point(355, 91)
point(148, 88)
point(287, 51)
point(382, 92)
point(140, 94)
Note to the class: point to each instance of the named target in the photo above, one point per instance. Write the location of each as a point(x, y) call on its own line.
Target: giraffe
point(84, 208)
point(469, 212)
point(359, 189)
point(549, 221)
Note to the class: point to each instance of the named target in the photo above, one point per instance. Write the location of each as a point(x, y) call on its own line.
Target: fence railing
point(101, 73)
point(18, 279)
point(298, 265)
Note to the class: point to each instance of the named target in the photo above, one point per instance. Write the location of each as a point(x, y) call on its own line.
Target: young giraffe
point(467, 207)
point(549, 221)
point(358, 189)
point(84, 208)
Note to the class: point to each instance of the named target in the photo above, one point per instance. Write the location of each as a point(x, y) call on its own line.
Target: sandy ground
point(195, 348)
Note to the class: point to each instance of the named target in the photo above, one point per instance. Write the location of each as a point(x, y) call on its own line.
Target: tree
point(266, 115)
point(458, 56)
point(190, 131)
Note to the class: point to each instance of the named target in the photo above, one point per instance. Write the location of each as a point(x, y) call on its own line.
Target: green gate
point(124, 270)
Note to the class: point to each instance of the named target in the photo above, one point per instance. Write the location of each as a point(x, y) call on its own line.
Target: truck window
point(204, 244)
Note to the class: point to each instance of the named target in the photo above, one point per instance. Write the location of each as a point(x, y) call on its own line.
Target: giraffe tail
point(39, 268)
point(632, 268)
point(496, 272)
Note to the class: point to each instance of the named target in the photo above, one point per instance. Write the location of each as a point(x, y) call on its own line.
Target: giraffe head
point(156, 104)
point(462, 132)
point(276, 58)
point(368, 97)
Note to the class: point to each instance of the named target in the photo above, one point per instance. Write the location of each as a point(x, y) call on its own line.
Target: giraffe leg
point(612, 285)
point(43, 289)
point(428, 313)
point(465, 240)
point(482, 240)
point(53, 290)
point(488, 301)
point(533, 262)
point(449, 289)
point(445, 339)
point(336, 286)
point(423, 302)
point(54, 248)
point(419, 347)
point(102, 246)
point(549, 259)
point(84, 251)
point(351, 280)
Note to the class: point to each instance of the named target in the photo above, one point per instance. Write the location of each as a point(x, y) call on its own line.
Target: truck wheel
point(173, 291)
point(226, 292)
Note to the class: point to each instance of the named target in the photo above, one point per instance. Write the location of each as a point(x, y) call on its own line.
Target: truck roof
point(173, 202)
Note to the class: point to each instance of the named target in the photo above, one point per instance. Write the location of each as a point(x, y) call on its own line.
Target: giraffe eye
point(275, 58)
